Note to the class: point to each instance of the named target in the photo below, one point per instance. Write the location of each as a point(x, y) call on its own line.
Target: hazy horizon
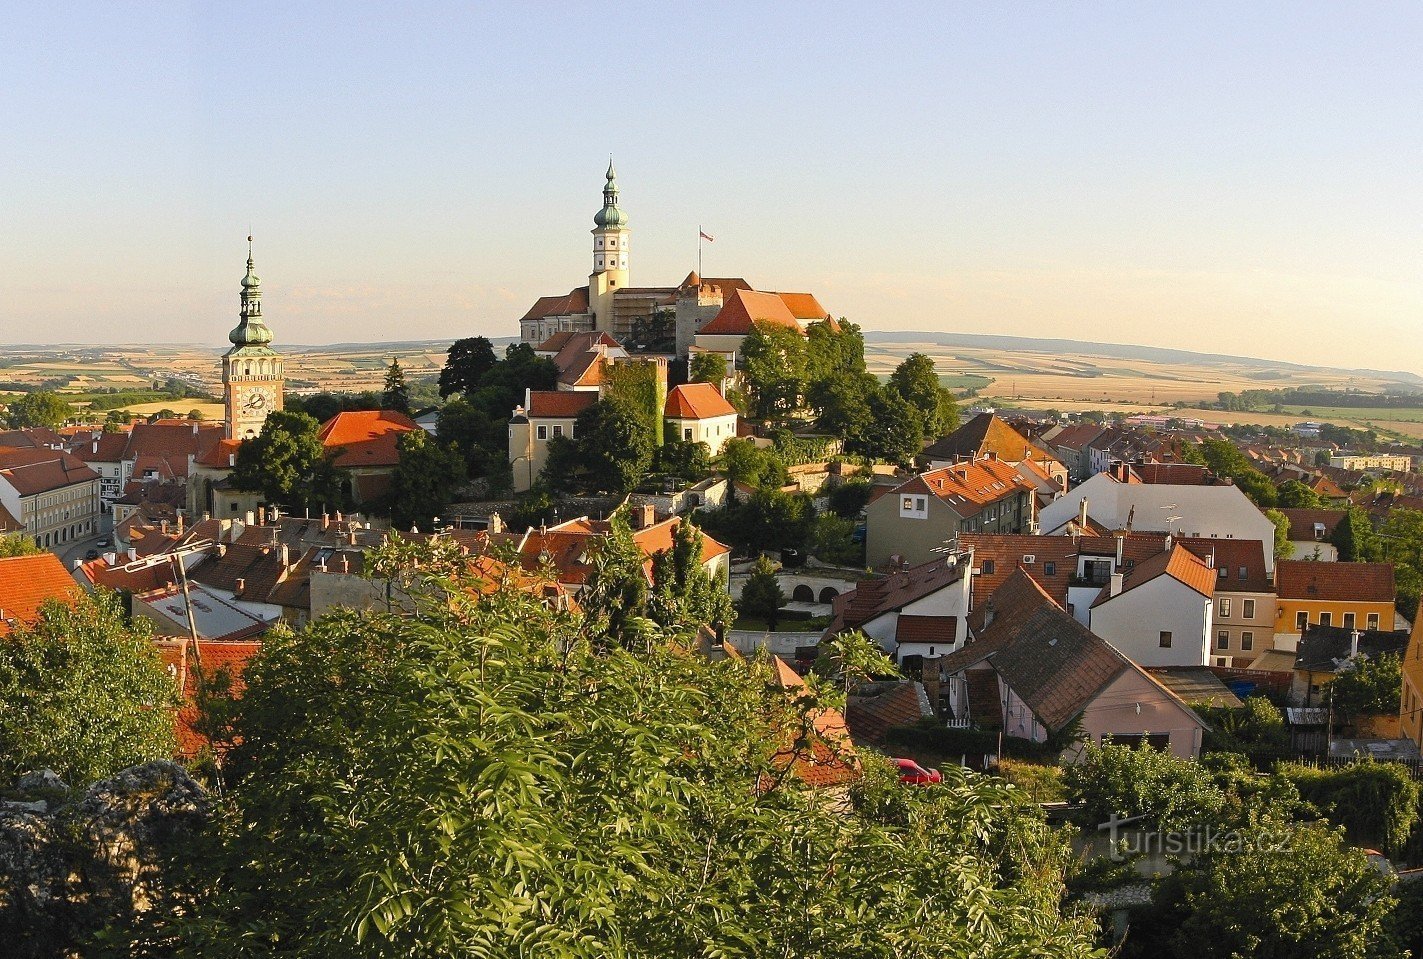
point(1214, 178)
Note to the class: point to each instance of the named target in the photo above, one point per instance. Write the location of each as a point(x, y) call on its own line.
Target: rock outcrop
point(70, 865)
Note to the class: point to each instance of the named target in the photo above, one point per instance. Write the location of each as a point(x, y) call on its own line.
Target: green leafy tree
point(18, 544)
point(917, 382)
point(684, 594)
point(1283, 548)
point(481, 439)
point(38, 408)
point(842, 407)
point(1355, 538)
point(611, 451)
point(833, 351)
point(744, 462)
point(396, 395)
point(1374, 686)
point(774, 359)
point(287, 463)
point(1225, 459)
point(466, 363)
point(897, 433)
point(691, 461)
point(851, 658)
point(497, 784)
point(426, 477)
point(1295, 495)
point(707, 368)
point(1171, 793)
point(761, 594)
point(832, 541)
point(83, 692)
point(850, 498)
point(616, 591)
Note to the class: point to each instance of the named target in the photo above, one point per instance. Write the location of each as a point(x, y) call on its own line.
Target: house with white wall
point(1159, 612)
point(698, 413)
point(921, 611)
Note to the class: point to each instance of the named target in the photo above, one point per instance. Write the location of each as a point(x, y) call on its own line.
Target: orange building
point(1411, 708)
point(1350, 595)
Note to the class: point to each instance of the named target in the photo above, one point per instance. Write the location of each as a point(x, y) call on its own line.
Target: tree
point(38, 409)
point(287, 463)
point(898, 429)
point(18, 544)
point(466, 363)
point(917, 382)
point(678, 457)
point(425, 480)
point(1283, 547)
point(761, 594)
point(744, 462)
point(707, 367)
point(832, 541)
point(684, 594)
point(1355, 538)
point(1225, 459)
point(83, 693)
point(1295, 495)
point(396, 395)
point(1119, 780)
point(833, 351)
point(842, 407)
point(774, 360)
point(615, 593)
point(482, 440)
point(497, 784)
point(850, 498)
point(1373, 686)
point(611, 451)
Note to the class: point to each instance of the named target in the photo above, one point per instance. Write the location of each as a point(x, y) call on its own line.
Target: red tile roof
point(572, 303)
point(926, 629)
point(365, 437)
point(743, 309)
point(804, 306)
point(1233, 555)
point(876, 708)
point(27, 582)
point(829, 759)
point(1180, 564)
point(561, 404)
point(697, 401)
point(225, 656)
point(1334, 582)
point(968, 487)
point(1302, 521)
point(985, 434)
point(32, 471)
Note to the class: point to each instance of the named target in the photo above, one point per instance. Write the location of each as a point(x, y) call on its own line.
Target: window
point(1326, 619)
point(543, 432)
point(1348, 620)
point(1373, 621)
point(1244, 573)
point(558, 431)
point(1166, 639)
point(1049, 569)
point(1222, 640)
point(914, 507)
point(687, 433)
point(1247, 608)
point(1225, 606)
point(1301, 620)
point(988, 567)
point(1222, 573)
point(1247, 641)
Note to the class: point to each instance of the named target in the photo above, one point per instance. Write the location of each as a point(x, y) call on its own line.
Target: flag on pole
point(707, 236)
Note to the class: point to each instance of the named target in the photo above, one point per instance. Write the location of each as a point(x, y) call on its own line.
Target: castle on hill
point(711, 313)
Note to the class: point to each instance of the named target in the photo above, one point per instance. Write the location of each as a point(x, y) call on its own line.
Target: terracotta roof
point(926, 629)
point(249, 572)
point(8, 523)
point(1302, 521)
point(27, 582)
point(1175, 474)
point(587, 369)
point(873, 597)
point(135, 577)
point(743, 309)
point(561, 404)
point(804, 306)
point(1334, 582)
point(1077, 436)
point(1180, 564)
point(969, 486)
point(171, 438)
point(1231, 557)
point(985, 434)
point(829, 759)
point(566, 547)
point(697, 401)
point(365, 437)
point(225, 656)
point(32, 471)
point(220, 455)
point(106, 448)
point(1007, 553)
point(572, 303)
point(876, 708)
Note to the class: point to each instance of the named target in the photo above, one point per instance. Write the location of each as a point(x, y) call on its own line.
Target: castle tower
point(610, 255)
point(252, 376)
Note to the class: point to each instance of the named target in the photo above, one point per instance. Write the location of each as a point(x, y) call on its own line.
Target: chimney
point(352, 536)
point(1354, 645)
point(496, 523)
point(110, 559)
point(1121, 544)
point(180, 522)
point(345, 563)
point(1082, 513)
point(132, 554)
point(1115, 587)
point(325, 520)
point(207, 517)
point(96, 446)
point(251, 519)
point(643, 516)
point(1210, 560)
point(286, 557)
point(338, 516)
point(261, 516)
point(988, 613)
point(1169, 542)
point(195, 429)
point(231, 460)
point(240, 585)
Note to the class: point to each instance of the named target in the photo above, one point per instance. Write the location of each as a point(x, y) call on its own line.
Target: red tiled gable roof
point(741, 311)
point(968, 487)
point(226, 656)
point(697, 401)
point(804, 306)
point(566, 547)
point(27, 582)
point(1335, 582)
point(587, 369)
point(1180, 564)
point(1007, 553)
point(32, 471)
point(574, 345)
point(831, 759)
point(1174, 474)
point(171, 438)
point(365, 437)
point(134, 578)
point(926, 629)
point(879, 707)
point(1302, 521)
point(8, 523)
point(985, 434)
point(1077, 436)
point(106, 448)
point(874, 597)
point(572, 303)
point(559, 404)
point(219, 455)
point(1233, 555)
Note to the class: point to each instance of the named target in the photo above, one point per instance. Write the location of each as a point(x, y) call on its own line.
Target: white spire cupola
point(610, 234)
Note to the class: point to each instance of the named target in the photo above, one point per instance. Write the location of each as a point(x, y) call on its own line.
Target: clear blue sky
point(1225, 177)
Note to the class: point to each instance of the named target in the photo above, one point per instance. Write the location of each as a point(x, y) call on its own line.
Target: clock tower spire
point(610, 254)
point(252, 375)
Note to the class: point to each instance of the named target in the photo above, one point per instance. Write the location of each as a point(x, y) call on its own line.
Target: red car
point(915, 774)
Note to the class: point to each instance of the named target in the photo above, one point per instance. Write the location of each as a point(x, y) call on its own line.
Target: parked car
point(914, 774)
point(104, 543)
point(91, 554)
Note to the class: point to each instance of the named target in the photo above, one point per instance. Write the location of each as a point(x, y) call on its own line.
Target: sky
point(1223, 177)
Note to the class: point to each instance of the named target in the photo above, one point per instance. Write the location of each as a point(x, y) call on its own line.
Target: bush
point(1039, 783)
point(1375, 802)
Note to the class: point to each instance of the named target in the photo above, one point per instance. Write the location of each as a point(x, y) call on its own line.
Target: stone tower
point(252, 377)
point(610, 255)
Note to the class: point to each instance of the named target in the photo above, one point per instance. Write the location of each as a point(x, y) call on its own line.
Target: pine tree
point(397, 394)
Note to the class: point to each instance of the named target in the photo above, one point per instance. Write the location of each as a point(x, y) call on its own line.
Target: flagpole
point(699, 250)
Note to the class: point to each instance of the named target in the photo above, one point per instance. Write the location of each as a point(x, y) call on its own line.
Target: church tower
point(252, 376)
point(610, 255)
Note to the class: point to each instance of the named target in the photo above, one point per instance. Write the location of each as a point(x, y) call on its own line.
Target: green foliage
point(842, 407)
point(1283, 548)
point(425, 480)
point(324, 405)
point(466, 363)
point(481, 439)
point(1258, 724)
point(1171, 793)
point(677, 457)
point(18, 544)
point(684, 594)
point(707, 368)
point(1225, 459)
point(897, 429)
point(850, 658)
point(1377, 802)
point(833, 354)
point(288, 464)
point(1374, 686)
point(639, 391)
point(654, 333)
point(917, 381)
point(39, 408)
point(478, 779)
point(774, 369)
point(744, 462)
point(83, 693)
point(850, 498)
point(615, 593)
point(1401, 539)
point(1406, 923)
point(396, 395)
point(611, 451)
point(761, 595)
point(831, 541)
point(1295, 495)
point(1355, 538)
point(1039, 783)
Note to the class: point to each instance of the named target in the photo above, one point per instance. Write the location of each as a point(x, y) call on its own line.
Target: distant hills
point(1122, 351)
